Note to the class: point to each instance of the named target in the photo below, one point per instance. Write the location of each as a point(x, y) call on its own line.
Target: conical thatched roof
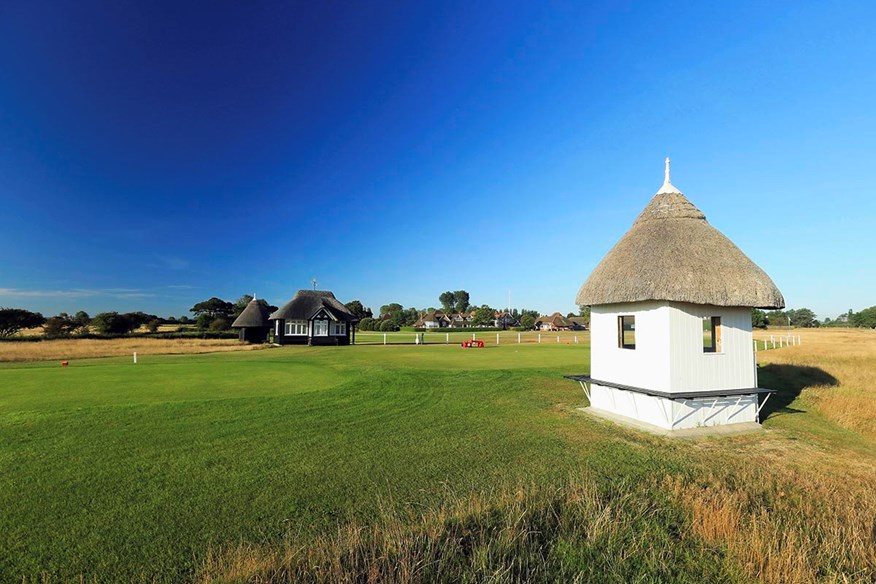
point(672, 253)
point(306, 303)
point(254, 315)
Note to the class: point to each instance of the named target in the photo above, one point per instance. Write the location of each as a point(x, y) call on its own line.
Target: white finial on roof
point(253, 296)
point(667, 187)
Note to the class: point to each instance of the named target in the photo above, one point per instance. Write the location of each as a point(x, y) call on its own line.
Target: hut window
point(296, 327)
point(339, 328)
point(712, 334)
point(320, 328)
point(626, 332)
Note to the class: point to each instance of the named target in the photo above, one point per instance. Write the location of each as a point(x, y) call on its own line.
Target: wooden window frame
point(620, 332)
point(715, 330)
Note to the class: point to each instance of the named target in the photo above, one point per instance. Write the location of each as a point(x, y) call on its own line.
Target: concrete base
point(702, 431)
point(674, 414)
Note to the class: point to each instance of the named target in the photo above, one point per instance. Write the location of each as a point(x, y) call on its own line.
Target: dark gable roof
point(307, 303)
point(254, 315)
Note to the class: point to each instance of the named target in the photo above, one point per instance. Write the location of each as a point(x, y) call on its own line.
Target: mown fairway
point(226, 466)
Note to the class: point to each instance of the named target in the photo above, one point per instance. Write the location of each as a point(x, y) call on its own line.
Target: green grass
point(124, 472)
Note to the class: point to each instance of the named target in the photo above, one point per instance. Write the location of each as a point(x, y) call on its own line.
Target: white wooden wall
point(645, 366)
point(669, 347)
point(690, 369)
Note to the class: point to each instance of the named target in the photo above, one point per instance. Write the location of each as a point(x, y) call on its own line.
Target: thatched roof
point(254, 315)
point(556, 319)
point(307, 303)
point(672, 253)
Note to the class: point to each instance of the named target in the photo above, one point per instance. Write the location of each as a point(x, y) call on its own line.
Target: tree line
point(393, 316)
point(805, 318)
point(216, 315)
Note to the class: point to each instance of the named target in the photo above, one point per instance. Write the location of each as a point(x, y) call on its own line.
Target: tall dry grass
point(740, 523)
point(848, 355)
point(66, 349)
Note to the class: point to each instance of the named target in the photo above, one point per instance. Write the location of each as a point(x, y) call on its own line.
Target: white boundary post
point(518, 338)
point(539, 338)
point(384, 338)
point(558, 338)
point(135, 357)
point(473, 337)
point(446, 338)
point(755, 346)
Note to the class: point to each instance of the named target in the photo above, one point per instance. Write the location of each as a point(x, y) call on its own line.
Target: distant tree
point(152, 325)
point(113, 323)
point(461, 298)
point(82, 320)
point(484, 316)
point(802, 317)
point(367, 324)
point(388, 326)
point(533, 313)
point(412, 315)
point(389, 309)
point(758, 318)
point(203, 321)
point(359, 310)
point(219, 324)
point(448, 302)
point(865, 318)
point(527, 321)
point(59, 326)
point(584, 312)
point(214, 307)
point(777, 318)
point(138, 319)
point(13, 320)
point(184, 320)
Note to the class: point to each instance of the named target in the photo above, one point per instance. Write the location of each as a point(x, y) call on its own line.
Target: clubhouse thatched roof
point(254, 315)
point(306, 303)
point(672, 253)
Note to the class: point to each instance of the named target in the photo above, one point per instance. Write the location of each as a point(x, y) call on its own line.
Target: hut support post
point(664, 412)
point(735, 407)
point(762, 405)
point(586, 390)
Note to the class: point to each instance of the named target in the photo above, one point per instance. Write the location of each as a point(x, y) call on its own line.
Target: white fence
point(458, 337)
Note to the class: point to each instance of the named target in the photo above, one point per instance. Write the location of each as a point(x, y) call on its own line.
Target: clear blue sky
point(155, 154)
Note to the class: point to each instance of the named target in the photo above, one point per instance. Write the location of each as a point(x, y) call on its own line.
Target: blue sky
point(155, 154)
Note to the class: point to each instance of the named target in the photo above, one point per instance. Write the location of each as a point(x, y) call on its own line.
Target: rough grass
point(419, 464)
point(847, 396)
point(67, 349)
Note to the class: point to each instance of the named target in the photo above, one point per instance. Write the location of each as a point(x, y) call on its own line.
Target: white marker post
point(518, 338)
point(497, 338)
point(539, 338)
point(135, 357)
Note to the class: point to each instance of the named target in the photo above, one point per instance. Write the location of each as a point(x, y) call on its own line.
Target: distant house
point(252, 325)
point(578, 323)
point(505, 320)
point(554, 322)
point(460, 320)
point(313, 317)
point(433, 319)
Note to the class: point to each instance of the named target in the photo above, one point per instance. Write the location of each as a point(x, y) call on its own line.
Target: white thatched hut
point(671, 342)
